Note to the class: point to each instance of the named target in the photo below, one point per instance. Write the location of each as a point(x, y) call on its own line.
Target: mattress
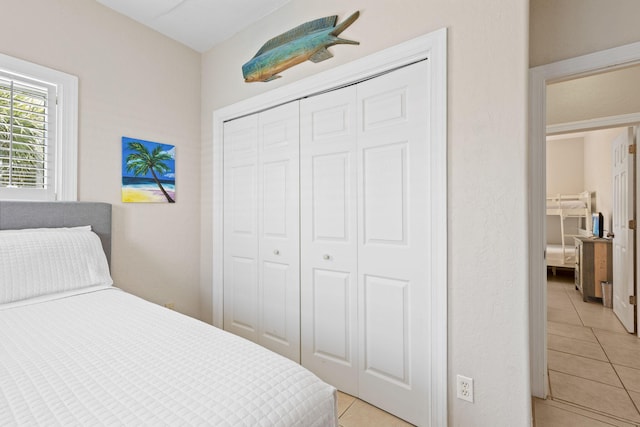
point(566, 204)
point(101, 356)
point(556, 257)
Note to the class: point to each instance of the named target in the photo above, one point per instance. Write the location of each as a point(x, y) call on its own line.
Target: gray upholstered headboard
point(19, 215)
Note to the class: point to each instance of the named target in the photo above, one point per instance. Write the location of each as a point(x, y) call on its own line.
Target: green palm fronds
point(142, 162)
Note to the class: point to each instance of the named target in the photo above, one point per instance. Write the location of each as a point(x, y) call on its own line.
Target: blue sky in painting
point(171, 149)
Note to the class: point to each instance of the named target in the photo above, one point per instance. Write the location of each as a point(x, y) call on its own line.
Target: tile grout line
point(588, 379)
point(348, 407)
point(573, 338)
point(567, 289)
point(624, 387)
point(616, 372)
point(590, 412)
point(579, 355)
point(576, 309)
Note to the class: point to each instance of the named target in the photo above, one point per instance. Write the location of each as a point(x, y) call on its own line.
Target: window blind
point(27, 134)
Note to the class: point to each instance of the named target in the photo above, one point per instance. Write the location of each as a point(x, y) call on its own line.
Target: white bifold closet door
point(261, 229)
point(365, 206)
point(329, 261)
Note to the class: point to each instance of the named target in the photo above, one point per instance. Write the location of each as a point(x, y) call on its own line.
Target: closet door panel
point(330, 213)
point(330, 122)
point(243, 296)
point(242, 200)
point(328, 237)
point(386, 327)
point(393, 246)
point(331, 340)
point(241, 228)
point(385, 197)
point(274, 302)
point(275, 219)
point(279, 241)
point(385, 109)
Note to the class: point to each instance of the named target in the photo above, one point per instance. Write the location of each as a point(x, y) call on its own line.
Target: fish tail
point(344, 25)
point(338, 40)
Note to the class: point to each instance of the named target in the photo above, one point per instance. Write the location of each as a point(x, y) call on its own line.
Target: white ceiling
point(199, 24)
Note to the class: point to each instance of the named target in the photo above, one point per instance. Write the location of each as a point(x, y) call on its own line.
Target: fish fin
point(297, 32)
point(275, 76)
point(338, 40)
point(321, 55)
point(344, 25)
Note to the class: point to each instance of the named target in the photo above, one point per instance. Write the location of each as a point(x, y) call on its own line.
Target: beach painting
point(148, 171)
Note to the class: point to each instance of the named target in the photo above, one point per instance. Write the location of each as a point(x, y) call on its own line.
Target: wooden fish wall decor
point(308, 41)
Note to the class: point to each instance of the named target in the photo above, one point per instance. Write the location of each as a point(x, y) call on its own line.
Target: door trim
point(622, 120)
point(432, 46)
point(539, 77)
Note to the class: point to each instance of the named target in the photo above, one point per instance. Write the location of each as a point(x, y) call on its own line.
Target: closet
point(326, 245)
point(261, 229)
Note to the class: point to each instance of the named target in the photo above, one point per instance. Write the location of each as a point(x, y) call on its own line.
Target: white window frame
point(65, 177)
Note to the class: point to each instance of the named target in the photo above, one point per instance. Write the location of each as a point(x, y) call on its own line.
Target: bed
point(77, 350)
point(565, 206)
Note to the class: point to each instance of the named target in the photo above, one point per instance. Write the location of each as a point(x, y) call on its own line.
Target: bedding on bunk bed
point(561, 253)
point(553, 203)
point(557, 256)
point(83, 352)
point(572, 204)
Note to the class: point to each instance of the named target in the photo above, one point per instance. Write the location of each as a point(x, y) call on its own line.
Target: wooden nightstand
point(593, 265)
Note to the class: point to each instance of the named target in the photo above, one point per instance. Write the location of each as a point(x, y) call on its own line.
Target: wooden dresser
point(593, 265)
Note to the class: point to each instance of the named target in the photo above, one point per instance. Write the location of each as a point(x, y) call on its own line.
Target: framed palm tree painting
point(148, 171)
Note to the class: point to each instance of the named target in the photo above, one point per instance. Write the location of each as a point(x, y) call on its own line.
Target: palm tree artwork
point(148, 171)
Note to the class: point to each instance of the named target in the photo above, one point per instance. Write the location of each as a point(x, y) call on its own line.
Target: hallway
point(594, 364)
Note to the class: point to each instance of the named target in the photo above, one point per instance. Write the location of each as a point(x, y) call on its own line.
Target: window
point(27, 119)
point(38, 132)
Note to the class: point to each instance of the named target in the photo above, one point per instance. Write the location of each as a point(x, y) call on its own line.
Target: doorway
point(540, 77)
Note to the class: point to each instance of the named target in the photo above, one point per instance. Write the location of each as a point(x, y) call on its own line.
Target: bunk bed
point(566, 206)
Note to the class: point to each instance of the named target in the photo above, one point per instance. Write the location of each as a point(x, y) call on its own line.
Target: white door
point(393, 242)
point(278, 230)
point(329, 237)
point(261, 229)
point(623, 240)
point(365, 248)
point(241, 227)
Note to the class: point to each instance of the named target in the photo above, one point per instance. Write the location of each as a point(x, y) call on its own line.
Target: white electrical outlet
point(465, 388)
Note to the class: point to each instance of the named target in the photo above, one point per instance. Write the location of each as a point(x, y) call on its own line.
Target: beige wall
point(576, 163)
point(565, 175)
point(487, 93)
point(602, 95)
point(565, 29)
point(562, 29)
point(132, 82)
point(565, 165)
point(597, 170)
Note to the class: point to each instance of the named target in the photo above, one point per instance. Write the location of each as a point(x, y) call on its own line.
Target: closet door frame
point(433, 47)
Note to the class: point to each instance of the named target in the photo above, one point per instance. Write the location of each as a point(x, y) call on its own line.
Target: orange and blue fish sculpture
point(308, 41)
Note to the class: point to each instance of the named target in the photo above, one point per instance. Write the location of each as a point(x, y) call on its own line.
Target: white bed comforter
point(566, 204)
point(105, 357)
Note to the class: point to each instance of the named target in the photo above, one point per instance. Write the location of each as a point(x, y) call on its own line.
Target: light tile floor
point(594, 369)
point(354, 412)
point(594, 364)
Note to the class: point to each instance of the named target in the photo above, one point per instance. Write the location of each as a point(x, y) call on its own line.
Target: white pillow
point(42, 261)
